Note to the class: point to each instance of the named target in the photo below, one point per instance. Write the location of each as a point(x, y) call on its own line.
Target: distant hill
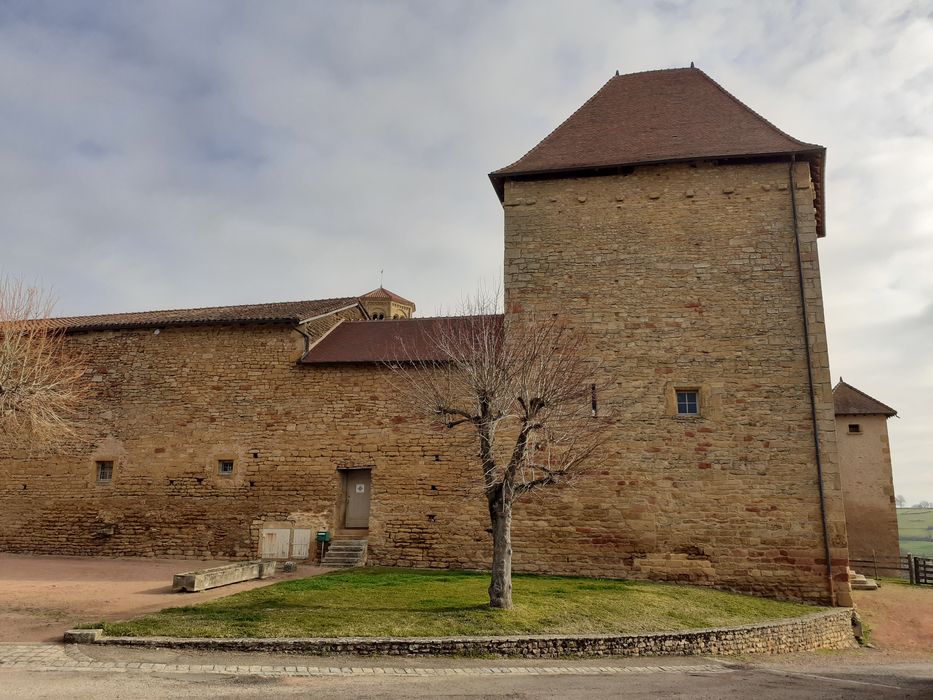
point(915, 526)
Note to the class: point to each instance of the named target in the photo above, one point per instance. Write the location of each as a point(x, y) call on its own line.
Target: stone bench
point(236, 572)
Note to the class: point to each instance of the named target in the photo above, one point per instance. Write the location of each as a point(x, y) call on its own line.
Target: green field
point(916, 531)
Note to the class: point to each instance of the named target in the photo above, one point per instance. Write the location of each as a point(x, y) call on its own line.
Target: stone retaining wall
point(823, 630)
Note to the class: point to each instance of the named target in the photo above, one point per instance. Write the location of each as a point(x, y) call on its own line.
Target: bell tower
point(382, 304)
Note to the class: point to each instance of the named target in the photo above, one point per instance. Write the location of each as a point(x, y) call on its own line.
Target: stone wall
point(865, 464)
point(167, 407)
point(825, 630)
point(687, 277)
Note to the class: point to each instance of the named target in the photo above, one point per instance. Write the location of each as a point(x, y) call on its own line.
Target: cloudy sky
point(180, 153)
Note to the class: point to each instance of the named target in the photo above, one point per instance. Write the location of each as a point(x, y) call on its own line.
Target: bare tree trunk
point(500, 587)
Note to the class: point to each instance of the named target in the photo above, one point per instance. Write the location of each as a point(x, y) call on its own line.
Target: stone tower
point(868, 484)
point(680, 228)
point(381, 304)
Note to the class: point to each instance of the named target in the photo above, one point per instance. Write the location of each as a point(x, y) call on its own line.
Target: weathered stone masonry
point(686, 275)
point(167, 407)
point(823, 630)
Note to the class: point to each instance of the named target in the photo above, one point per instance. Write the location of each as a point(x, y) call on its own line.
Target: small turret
point(382, 304)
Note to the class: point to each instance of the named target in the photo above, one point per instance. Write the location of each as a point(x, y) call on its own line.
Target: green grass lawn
point(400, 602)
point(915, 526)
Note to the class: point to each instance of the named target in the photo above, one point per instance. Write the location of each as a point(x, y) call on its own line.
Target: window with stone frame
point(105, 471)
point(225, 467)
point(688, 402)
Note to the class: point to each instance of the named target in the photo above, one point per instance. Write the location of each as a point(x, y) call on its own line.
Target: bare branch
point(522, 383)
point(42, 383)
point(525, 384)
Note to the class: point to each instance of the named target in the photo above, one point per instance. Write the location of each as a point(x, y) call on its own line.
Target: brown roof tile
point(383, 293)
point(655, 117)
point(399, 340)
point(285, 312)
point(850, 401)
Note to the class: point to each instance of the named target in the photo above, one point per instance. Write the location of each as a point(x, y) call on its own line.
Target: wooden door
point(356, 504)
point(274, 543)
point(301, 543)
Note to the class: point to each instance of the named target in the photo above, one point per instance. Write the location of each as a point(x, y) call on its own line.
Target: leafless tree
point(525, 387)
point(42, 383)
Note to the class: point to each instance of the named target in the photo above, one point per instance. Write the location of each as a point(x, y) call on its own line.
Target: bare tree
point(42, 383)
point(900, 502)
point(525, 387)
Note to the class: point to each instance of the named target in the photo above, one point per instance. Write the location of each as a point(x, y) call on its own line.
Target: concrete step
point(866, 585)
point(860, 582)
point(345, 553)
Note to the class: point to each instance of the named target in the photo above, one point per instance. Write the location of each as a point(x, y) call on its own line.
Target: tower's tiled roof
point(850, 401)
point(656, 117)
point(383, 293)
point(285, 311)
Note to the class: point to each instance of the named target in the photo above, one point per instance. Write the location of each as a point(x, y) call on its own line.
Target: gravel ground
point(900, 617)
point(42, 596)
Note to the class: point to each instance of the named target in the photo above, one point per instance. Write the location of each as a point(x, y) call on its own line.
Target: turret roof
point(850, 401)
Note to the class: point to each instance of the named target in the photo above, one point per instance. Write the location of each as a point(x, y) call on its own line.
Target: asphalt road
point(56, 672)
point(751, 683)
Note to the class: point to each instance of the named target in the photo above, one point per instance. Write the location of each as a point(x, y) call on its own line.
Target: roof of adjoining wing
point(276, 312)
point(383, 293)
point(399, 340)
point(850, 401)
point(660, 116)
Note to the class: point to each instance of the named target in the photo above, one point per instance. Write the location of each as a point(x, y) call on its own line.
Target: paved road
point(54, 671)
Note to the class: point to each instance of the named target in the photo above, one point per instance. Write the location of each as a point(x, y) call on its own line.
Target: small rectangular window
point(225, 467)
point(105, 471)
point(688, 403)
point(855, 428)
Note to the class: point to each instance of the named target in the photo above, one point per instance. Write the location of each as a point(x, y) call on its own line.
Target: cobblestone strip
point(49, 657)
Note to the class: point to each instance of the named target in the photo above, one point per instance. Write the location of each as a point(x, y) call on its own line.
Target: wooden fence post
point(910, 567)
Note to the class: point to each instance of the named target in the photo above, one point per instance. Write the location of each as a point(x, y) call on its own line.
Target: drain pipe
point(813, 413)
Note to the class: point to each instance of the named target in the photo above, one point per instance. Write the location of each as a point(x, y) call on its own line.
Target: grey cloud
point(159, 154)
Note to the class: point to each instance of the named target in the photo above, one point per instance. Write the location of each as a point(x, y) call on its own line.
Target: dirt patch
point(900, 616)
point(41, 597)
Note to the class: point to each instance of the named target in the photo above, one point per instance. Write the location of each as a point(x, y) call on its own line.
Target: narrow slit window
point(688, 403)
point(225, 467)
point(105, 472)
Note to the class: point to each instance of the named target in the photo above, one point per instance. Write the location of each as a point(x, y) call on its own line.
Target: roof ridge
point(752, 111)
point(421, 318)
point(552, 131)
point(386, 293)
point(204, 308)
